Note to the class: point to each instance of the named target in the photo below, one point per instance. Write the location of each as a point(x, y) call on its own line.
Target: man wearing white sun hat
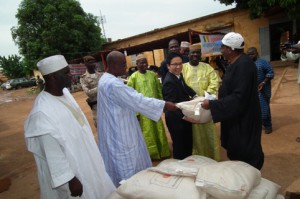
point(237, 107)
point(58, 134)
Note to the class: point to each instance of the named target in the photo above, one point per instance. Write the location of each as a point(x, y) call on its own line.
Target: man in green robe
point(202, 77)
point(147, 83)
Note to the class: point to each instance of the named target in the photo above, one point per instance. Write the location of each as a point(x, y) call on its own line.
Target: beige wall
point(248, 28)
point(158, 56)
point(154, 57)
point(128, 61)
point(149, 57)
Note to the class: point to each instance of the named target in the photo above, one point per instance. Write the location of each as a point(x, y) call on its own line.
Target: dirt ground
point(282, 152)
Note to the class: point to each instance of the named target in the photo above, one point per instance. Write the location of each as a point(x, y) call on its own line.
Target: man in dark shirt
point(237, 107)
point(265, 74)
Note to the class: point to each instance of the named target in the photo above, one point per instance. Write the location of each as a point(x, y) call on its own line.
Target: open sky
point(124, 18)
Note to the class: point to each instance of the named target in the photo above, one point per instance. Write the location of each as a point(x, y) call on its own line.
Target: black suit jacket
point(176, 90)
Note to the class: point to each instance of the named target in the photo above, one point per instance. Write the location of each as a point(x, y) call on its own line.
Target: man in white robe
point(292, 53)
point(59, 136)
point(120, 138)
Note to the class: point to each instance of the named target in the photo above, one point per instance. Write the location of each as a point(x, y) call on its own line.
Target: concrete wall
point(154, 57)
point(158, 56)
point(248, 28)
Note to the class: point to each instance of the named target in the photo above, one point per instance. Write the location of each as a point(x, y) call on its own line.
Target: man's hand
point(75, 187)
point(170, 106)
point(205, 104)
point(260, 86)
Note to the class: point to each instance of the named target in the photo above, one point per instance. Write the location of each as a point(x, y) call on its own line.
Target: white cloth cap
point(52, 64)
point(233, 40)
point(185, 44)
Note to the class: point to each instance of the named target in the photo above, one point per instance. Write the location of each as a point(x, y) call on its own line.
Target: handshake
point(194, 112)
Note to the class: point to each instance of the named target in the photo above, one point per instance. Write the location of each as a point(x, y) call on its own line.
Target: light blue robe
point(120, 138)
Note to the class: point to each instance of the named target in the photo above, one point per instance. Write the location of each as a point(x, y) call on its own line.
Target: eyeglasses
point(176, 64)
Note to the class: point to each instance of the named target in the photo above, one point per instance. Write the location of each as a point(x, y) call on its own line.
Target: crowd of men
point(128, 119)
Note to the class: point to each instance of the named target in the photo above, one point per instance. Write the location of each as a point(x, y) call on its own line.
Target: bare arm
point(170, 106)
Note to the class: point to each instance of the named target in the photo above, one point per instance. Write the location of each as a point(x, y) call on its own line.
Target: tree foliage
point(47, 28)
point(13, 67)
point(258, 7)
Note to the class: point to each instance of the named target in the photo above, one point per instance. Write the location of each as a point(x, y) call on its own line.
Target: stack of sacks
point(265, 190)
point(152, 185)
point(235, 180)
point(115, 195)
point(188, 167)
point(192, 109)
point(198, 177)
point(171, 179)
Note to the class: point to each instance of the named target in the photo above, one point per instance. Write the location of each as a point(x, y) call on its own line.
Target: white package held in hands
point(192, 109)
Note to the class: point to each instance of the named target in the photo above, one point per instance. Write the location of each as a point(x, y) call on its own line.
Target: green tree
point(258, 7)
point(13, 67)
point(47, 28)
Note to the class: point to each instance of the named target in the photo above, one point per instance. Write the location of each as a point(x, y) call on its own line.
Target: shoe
point(268, 130)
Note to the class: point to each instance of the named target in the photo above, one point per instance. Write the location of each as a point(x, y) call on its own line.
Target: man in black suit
point(175, 90)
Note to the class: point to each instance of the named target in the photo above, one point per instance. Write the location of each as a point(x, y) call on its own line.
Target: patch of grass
point(33, 91)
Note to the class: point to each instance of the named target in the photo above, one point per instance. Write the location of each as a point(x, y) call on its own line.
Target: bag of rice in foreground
point(152, 185)
point(115, 195)
point(192, 109)
point(186, 167)
point(228, 179)
point(265, 190)
point(280, 197)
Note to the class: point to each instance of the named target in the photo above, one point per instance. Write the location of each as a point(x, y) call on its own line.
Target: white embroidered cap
point(233, 40)
point(185, 44)
point(52, 64)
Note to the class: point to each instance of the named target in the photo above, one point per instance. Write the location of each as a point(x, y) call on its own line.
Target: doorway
point(276, 31)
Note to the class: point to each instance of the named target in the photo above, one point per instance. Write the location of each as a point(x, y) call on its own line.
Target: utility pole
point(102, 21)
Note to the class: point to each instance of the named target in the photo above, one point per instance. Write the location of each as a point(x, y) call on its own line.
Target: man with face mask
point(58, 134)
point(202, 77)
point(89, 83)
